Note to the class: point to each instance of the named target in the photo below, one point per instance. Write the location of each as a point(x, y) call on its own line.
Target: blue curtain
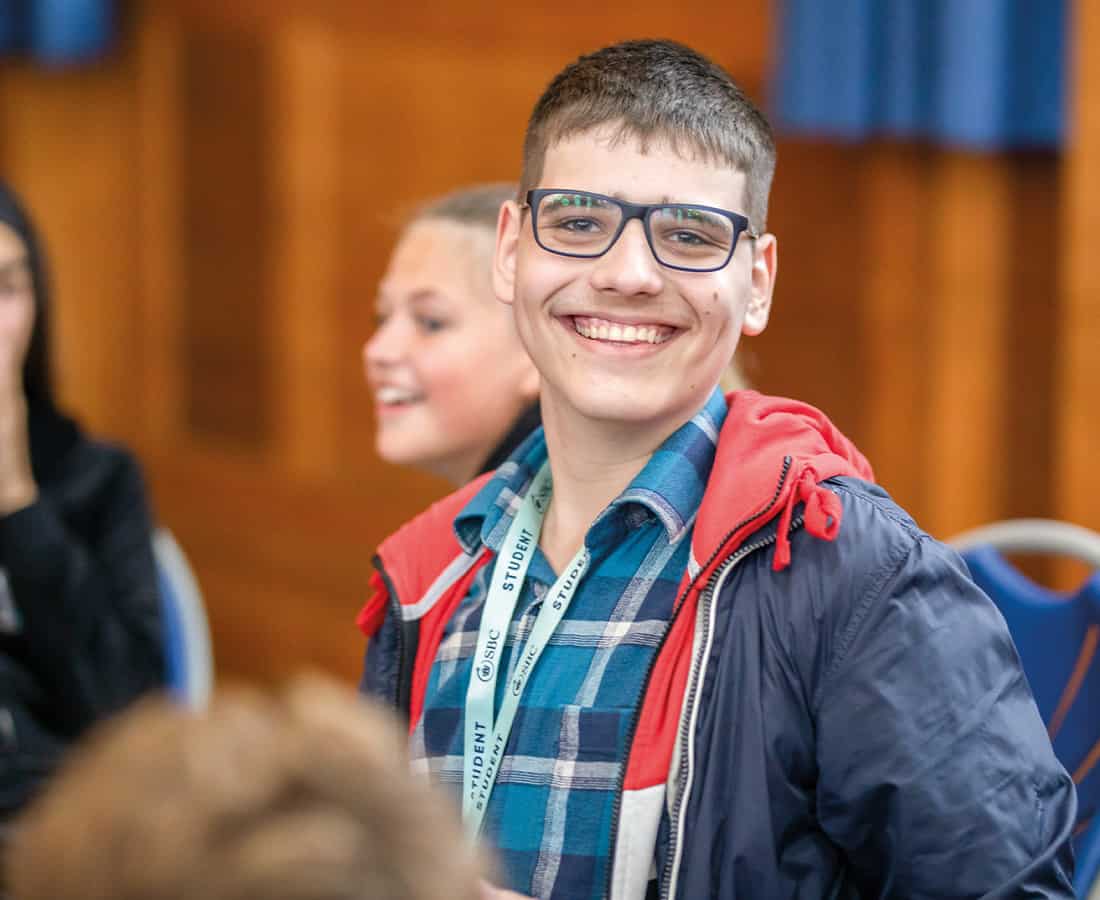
point(983, 74)
point(57, 31)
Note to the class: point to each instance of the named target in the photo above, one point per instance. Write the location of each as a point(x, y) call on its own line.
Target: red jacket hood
point(772, 454)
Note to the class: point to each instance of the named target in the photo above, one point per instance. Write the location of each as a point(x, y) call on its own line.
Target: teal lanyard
point(485, 739)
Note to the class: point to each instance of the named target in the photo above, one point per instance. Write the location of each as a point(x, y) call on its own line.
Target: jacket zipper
point(686, 724)
point(617, 802)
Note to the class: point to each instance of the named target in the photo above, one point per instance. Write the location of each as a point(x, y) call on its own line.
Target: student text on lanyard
point(486, 738)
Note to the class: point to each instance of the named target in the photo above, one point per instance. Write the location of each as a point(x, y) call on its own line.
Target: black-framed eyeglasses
point(684, 236)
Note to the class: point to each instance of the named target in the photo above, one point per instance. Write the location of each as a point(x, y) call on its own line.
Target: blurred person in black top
point(79, 607)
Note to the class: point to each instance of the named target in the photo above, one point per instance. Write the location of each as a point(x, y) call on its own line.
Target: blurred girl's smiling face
point(447, 370)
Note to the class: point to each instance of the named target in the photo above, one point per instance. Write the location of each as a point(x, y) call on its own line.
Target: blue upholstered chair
point(1058, 638)
point(186, 633)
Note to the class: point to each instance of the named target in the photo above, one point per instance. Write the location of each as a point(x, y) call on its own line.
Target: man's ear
point(504, 257)
point(765, 262)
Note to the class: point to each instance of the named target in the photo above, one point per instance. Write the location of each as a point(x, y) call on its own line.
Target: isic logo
point(486, 667)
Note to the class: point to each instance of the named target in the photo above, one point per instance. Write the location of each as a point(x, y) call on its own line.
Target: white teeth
point(391, 395)
point(597, 330)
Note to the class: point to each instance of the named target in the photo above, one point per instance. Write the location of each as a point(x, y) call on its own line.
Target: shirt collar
point(669, 488)
point(485, 519)
point(671, 484)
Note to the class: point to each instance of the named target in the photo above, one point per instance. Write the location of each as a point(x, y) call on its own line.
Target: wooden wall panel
point(894, 328)
point(813, 347)
point(240, 174)
point(966, 308)
point(160, 215)
point(307, 188)
point(1030, 397)
point(227, 232)
point(1078, 378)
point(906, 309)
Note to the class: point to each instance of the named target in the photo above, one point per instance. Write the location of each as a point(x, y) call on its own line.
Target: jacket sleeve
point(936, 776)
point(89, 606)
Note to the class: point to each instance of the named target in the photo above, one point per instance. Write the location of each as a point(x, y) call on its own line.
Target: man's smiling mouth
point(616, 332)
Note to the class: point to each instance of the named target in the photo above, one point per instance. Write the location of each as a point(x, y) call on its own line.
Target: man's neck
point(592, 462)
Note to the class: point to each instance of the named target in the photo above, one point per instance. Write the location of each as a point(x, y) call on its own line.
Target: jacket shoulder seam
point(878, 581)
point(889, 509)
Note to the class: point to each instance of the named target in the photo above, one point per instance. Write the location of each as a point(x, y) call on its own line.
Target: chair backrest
point(187, 644)
point(1058, 639)
point(1088, 862)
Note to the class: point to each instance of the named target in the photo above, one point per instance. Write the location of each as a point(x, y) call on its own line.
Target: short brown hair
point(477, 205)
point(656, 89)
point(304, 796)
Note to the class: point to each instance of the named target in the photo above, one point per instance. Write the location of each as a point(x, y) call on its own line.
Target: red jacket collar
point(772, 453)
point(415, 554)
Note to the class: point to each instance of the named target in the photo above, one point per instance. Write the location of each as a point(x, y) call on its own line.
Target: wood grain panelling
point(737, 34)
point(966, 307)
point(1030, 398)
point(227, 234)
point(916, 320)
point(891, 248)
point(306, 188)
point(813, 348)
point(279, 555)
point(1078, 382)
point(222, 196)
point(160, 205)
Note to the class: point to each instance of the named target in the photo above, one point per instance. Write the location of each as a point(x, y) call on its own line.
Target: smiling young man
point(679, 645)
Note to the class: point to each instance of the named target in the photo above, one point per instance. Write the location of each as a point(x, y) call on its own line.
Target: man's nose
point(629, 267)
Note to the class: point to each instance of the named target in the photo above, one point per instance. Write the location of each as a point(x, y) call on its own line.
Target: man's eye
point(579, 226)
point(690, 238)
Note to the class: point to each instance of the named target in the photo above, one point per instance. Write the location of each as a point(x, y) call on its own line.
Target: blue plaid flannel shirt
point(549, 818)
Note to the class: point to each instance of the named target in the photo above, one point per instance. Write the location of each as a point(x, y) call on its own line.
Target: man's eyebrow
point(666, 200)
point(700, 215)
